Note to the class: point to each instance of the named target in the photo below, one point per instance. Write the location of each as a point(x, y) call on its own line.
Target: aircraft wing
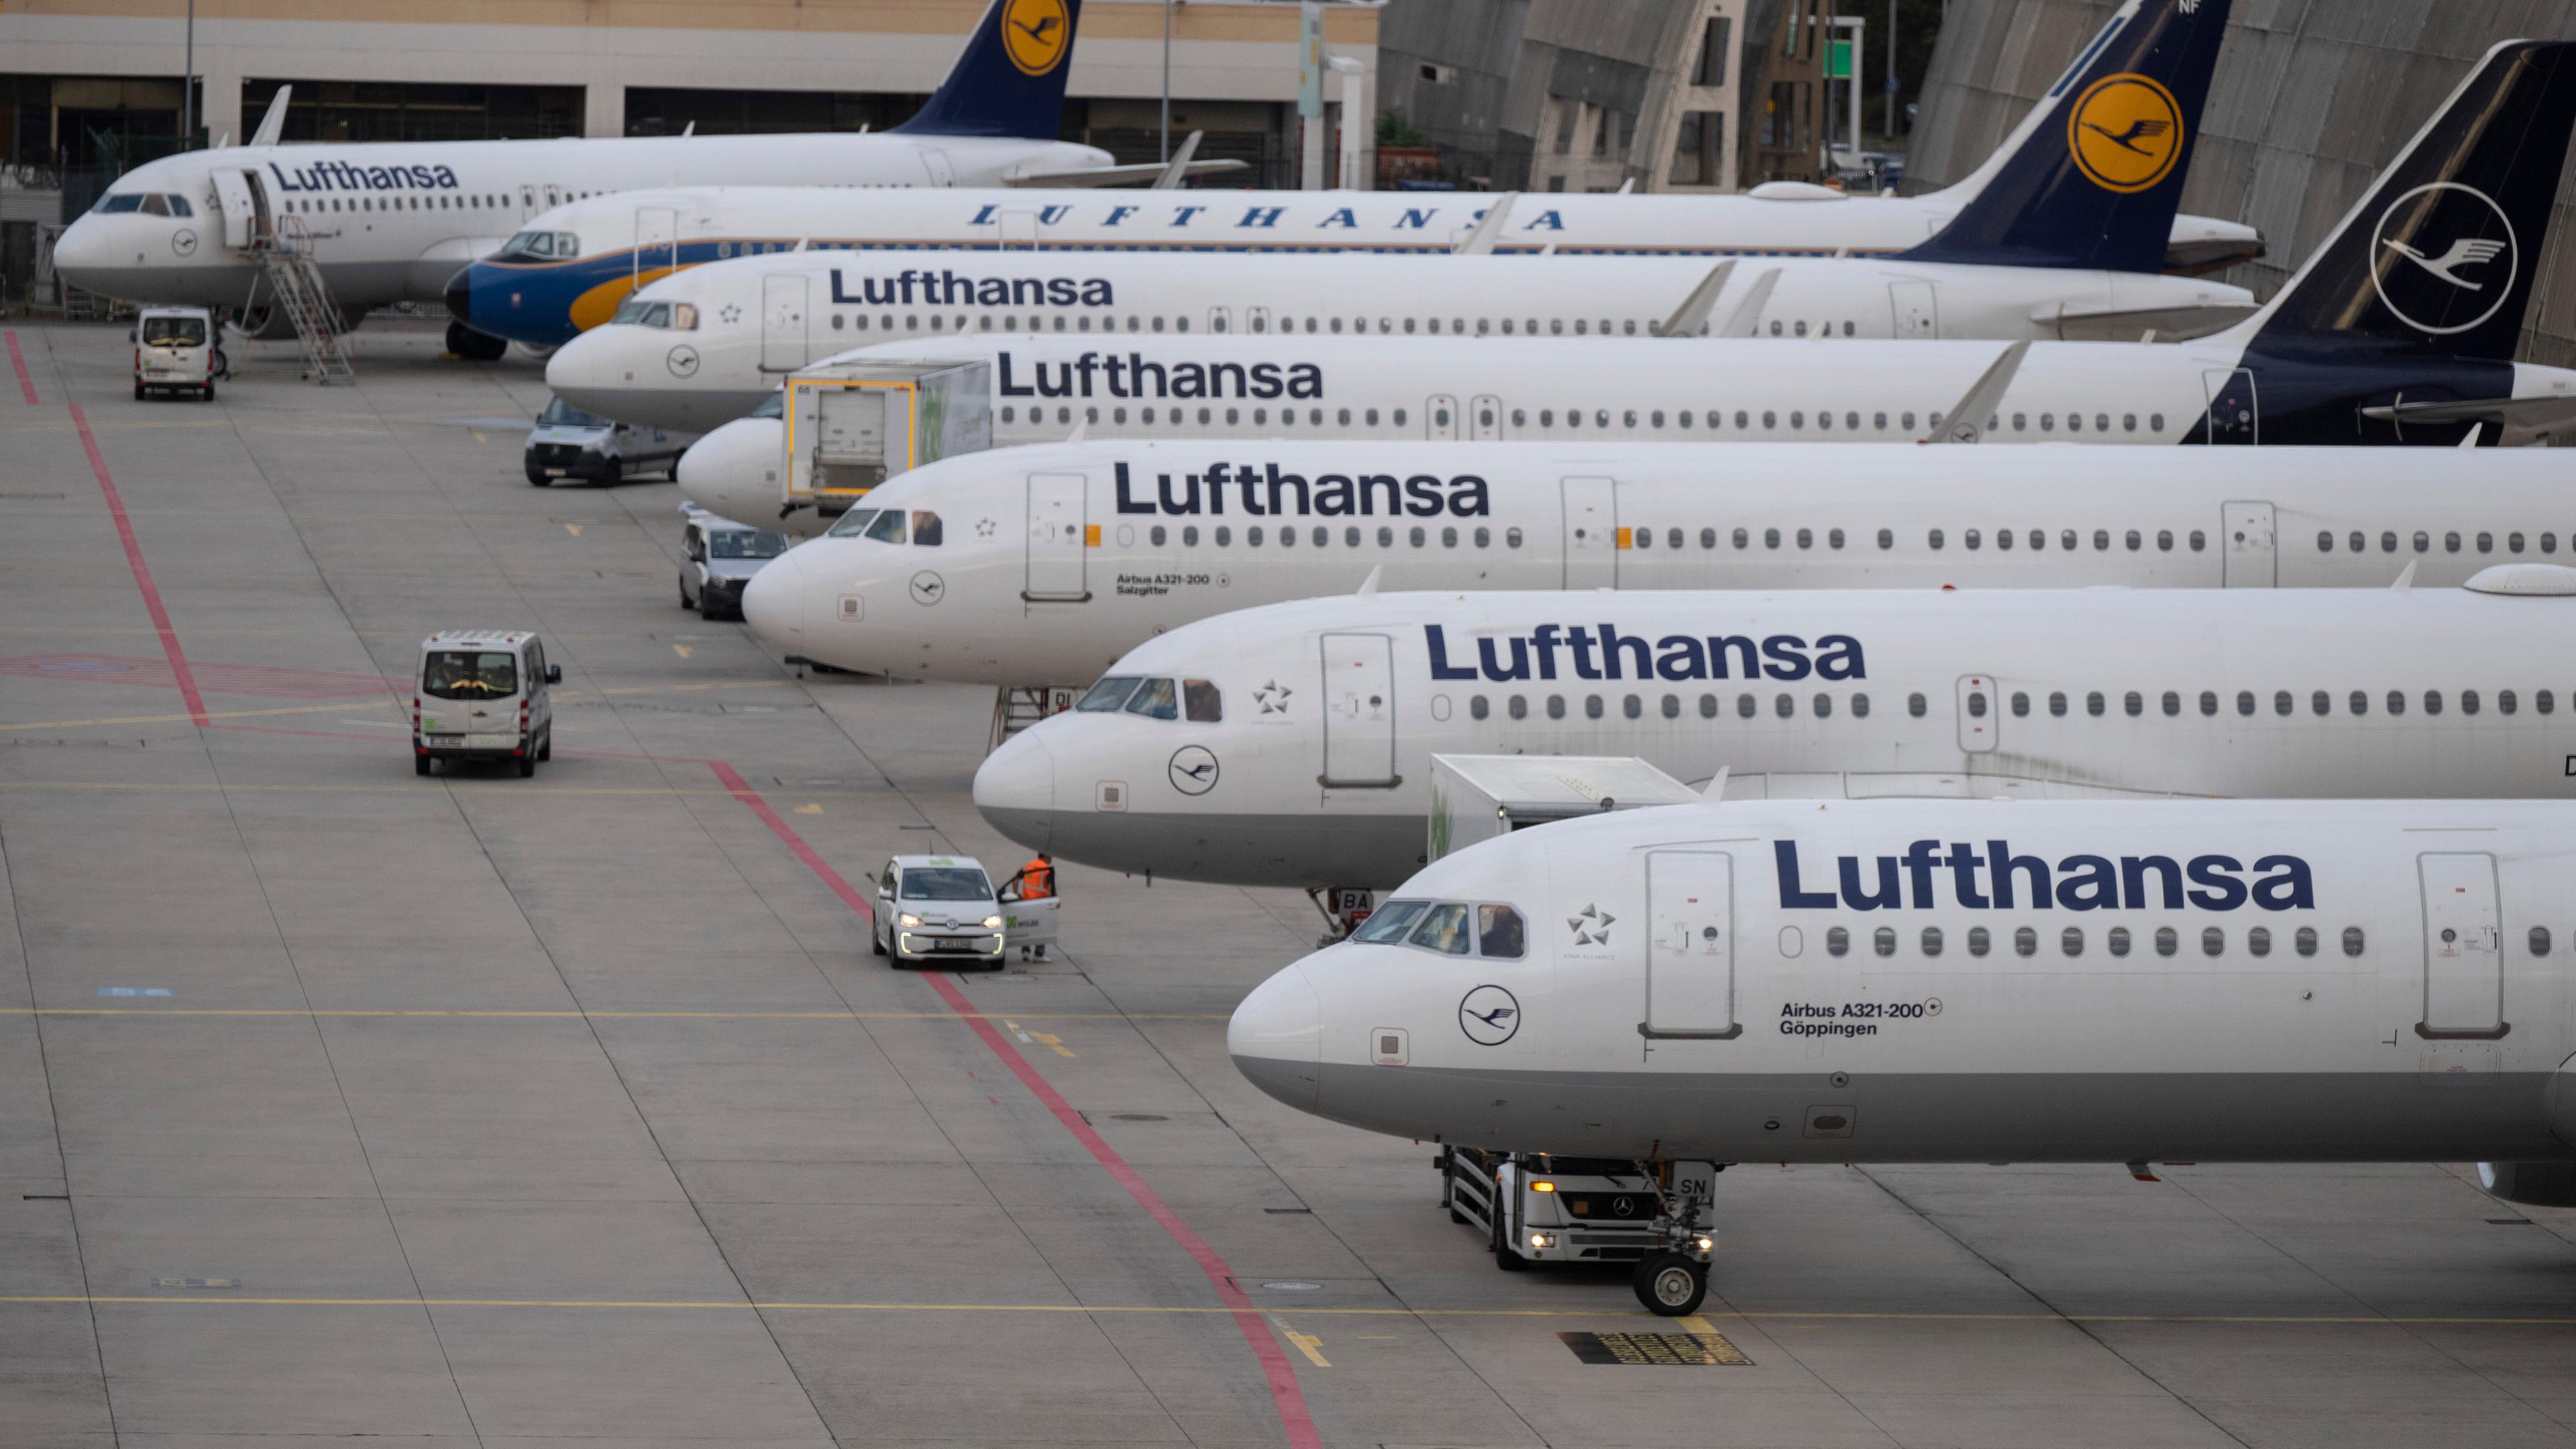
point(1121, 175)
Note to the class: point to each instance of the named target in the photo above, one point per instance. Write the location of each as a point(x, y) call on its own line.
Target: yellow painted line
point(222, 1297)
point(573, 528)
point(537, 1014)
point(680, 649)
point(809, 809)
point(1307, 1344)
point(1056, 1043)
point(1695, 1323)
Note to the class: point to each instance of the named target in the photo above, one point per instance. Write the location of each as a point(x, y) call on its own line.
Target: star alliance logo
point(1592, 927)
point(986, 528)
point(1272, 697)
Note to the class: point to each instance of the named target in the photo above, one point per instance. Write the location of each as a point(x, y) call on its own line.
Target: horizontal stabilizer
point(2518, 420)
point(2121, 324)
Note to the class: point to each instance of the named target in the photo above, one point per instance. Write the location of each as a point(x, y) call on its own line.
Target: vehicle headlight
point(907, 919)
point(992, 923)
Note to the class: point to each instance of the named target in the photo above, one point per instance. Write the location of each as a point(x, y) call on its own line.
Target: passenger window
point(2025, 941)
point(1206, 705)
point(2258, 940)
point(1500, 933)
point(1979, 942)
point(1108, 696)
point(2116, 940)
point(2167, 941)
point(2352, 940)
point(1915, 704)
point(889, 527)
point(1837, 942)
point(2306, 940)
point(1443, 929)
point(2213, 941)
point(1931, 940)
point(1389, 922)
point(2070, 941)
point(2539, 940)
point(2093, 703)
point(1883, 940)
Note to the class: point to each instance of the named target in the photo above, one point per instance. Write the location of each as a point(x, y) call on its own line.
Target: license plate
point(491, 742)
point(957, 943)
point(554, 472)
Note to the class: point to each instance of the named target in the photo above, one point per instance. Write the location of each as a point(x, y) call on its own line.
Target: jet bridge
point(852, 425)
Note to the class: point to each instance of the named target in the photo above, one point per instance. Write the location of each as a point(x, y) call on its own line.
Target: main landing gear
point(1672, 1278)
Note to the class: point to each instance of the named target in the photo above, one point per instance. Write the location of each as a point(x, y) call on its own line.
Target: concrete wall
point(2311, 97)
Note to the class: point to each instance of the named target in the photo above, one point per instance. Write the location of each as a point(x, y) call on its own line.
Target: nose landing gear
point(1671, 1280)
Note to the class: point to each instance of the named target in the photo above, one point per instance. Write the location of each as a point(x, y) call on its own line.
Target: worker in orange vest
point(1036, 880)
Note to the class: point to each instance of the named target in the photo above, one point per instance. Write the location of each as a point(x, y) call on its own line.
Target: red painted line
point(170, 649)
point(18, 360)
point(1285, 1395)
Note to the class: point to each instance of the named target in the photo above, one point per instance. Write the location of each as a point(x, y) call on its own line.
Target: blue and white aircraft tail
point(1009, 81)
point(2096, 182)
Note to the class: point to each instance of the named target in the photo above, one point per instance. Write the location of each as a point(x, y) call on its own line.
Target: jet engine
point(2540, 1184)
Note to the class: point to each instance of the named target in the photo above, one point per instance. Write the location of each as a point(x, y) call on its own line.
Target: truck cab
point(483, 694)
point(1540, 1208)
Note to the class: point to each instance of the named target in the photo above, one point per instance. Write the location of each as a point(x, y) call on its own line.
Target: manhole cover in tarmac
point(1670, 1350)
point(1295, 1287)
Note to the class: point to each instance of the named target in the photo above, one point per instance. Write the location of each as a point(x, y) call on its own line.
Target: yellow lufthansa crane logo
point(1036, 34)
point(2125, 132)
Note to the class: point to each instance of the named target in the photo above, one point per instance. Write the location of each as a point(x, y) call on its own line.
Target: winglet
point(1966, 423)
point(2405, 577)
point(272, 122)
point(1489, 228)
point(1748, 309)
point(1179, 168)
point(1716, 787)
point(1368, 586)
point(2470, 440)
point(1692, 314)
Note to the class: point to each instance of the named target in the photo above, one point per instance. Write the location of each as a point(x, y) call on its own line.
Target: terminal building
point(2308, 103)
point(88, 90)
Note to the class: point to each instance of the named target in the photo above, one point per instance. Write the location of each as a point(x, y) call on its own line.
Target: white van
point(174, 351)
point(569, 443)
point(482, 695)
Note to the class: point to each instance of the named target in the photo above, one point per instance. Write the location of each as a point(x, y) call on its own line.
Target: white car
point(939, 908)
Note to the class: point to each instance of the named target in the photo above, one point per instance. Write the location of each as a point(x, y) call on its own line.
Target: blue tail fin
point(2443, 250)
point(1009, 81)
point(2097, 182)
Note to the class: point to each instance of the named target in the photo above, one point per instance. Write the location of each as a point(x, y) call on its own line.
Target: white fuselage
point(1021, 601)
point(1966, 981)
point(758, 318)
point(1329, 710)
point(395, 221)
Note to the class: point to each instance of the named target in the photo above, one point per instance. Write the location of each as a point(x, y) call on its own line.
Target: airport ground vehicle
point(938, 908)
point(482, 694)
point(717, 559)
point(1536, 1208)
point(572, 444)
point(1029, 922)
point(174, 351)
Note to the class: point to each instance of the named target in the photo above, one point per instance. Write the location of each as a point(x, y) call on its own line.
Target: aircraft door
point(1059, 539)
point(2463, 947)
point(2252, 553)
point(528, 200)
point(2233, 416)
point(1359, 711)
point(935, 162)
point(1917, 309)
point(1485, 417)
point(1440, 419)
point(1978, 715)
point(1690, 945)
point(657, 241)
point(243, 224)
point(1019, 231)
point(1591, 534)
point(782, 322)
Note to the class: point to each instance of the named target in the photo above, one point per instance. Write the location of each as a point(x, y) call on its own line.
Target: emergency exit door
point(657, 242)
point(2252, 556)
point(1591, 533)
point(1485, 416)
point(1359, 710)
point(2463, 947)
point(1978, 716)
point(1917, 313)
point(782, 322)
point(1440, 419)
point(1690, 945)
point(1059, 539)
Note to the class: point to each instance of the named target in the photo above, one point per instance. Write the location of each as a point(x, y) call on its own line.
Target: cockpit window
point(1389, 922)
point(1106, 696)
point(946, 883)
point(542, 244)
point(888, 528)
point(1443, 929)
point(1203, 702)
point(927, 531)
point(773, 406)
point(561, 414)
point(1154, 700)
point(112, 203)
point(1501, 933)
point(174, 331)
point(852, 524)
point(469, 674)
point(745, 543)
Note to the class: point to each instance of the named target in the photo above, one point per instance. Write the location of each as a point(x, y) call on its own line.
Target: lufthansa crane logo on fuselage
point(1036, 34)
point(2125, 132)
point(1489, 1015)
point(2456, 235)
point(1193, 769)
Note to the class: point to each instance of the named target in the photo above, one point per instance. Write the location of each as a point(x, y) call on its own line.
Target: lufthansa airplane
point(2401, 328)
point(1040, 566)
point(1960, 981)
point(395, 221)
point(1291, 745)
point(2114, 167)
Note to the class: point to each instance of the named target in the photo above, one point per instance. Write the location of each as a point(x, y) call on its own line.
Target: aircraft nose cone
point(82, 246)
point(583, 372)
point(773, 604)
point(460, 296)
point(1277, 1039)
point(734, 470)
point(1015, 790)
